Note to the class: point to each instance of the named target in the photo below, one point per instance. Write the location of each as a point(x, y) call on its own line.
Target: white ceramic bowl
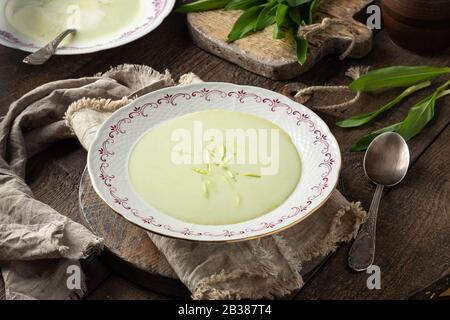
point(316, 145)
point(151, 16)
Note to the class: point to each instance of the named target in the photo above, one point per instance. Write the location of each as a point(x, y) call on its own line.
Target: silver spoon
point(42, 55)
point(385, 163)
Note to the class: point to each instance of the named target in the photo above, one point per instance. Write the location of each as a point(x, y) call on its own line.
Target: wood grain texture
point(55, 174)
point(117, 288)
point(276, 58)
point(412, 236)
point(2, 289)
point(439, 289)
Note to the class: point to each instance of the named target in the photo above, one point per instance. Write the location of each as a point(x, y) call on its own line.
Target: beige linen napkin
point(37, 244)
point(265, 268)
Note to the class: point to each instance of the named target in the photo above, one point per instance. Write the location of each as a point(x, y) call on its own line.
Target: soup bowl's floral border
point(119, 128)
point(161, 9)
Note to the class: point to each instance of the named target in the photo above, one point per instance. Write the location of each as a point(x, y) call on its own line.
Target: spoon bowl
point(385, 163)
point(387, 159)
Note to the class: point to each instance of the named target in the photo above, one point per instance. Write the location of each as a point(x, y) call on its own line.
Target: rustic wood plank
point(412, 236)
point(2, 289)
point(17, 78)
point(169, 47)
point(439, 289)
point(117, 288)
point(95, 271)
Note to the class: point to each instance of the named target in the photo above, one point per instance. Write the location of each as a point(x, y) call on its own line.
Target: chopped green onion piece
point(205, 189)
point(224, 152)
point(200, 171)
point(251, 175)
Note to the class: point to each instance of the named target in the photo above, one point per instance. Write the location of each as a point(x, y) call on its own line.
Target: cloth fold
point(37, 244)
point(31, 232)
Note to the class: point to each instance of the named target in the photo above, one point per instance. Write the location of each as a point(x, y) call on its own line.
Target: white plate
point(151, 16)
point(317, 147)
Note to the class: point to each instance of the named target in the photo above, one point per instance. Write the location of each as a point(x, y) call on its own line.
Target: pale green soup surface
point(43, 20)
point(220, 189)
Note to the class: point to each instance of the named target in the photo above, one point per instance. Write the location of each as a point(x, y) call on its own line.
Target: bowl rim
point(114, 43)
point(338, 158)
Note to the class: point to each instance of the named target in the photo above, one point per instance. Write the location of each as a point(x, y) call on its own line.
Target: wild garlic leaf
point(281, 13)
point(245, 24)
point(362, 119)
point(202, 5)
point(281, 21)
point(416, 119)
point(266, 16)
point(364, 142)
point(242, 4)
point(295, 15)
point(312, 8)
point(301, 48)
point(393, 77)
point(278, 33)
point(295, 3)
point(420, 114)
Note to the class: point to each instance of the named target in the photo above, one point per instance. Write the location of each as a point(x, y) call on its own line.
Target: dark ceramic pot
point(418, 25)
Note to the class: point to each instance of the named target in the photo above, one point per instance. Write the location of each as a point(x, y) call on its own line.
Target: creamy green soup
point(215, 167)
point(42, 20)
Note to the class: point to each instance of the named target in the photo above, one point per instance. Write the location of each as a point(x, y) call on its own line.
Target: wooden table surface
point(414, 219)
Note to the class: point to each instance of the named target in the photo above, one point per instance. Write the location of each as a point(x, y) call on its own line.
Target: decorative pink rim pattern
point(119, 129)
point(161, 9)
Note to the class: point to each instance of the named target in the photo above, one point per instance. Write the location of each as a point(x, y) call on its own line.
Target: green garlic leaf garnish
point(205, 189)
point(230, 174)
point(238, 200)
point(251, 175)
point(200, 171)
point(223, 151)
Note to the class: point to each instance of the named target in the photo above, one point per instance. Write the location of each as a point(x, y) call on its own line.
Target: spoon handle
point(42, 55)
point(362, 252)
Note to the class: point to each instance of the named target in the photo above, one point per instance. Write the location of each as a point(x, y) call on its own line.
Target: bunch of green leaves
point(287, 15)
point(412, 78)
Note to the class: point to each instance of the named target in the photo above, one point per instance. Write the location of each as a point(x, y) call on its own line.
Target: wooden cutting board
point(276, 59)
